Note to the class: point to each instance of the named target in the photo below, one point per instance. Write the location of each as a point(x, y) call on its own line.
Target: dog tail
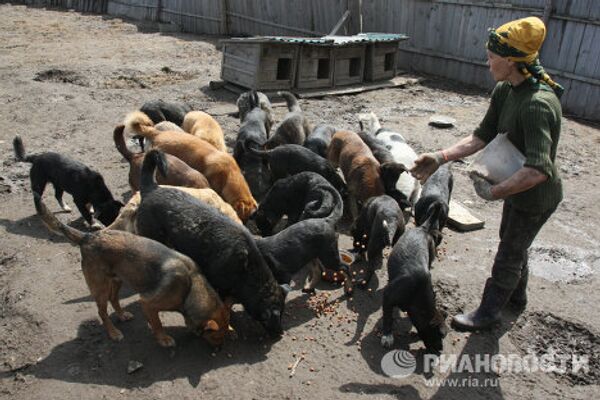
point(75, 236)
point(141, 124)
point(291, 101)
point(20, 150)
point(153, 159)
point(119, 138)
point(369, 123)
point(338, 209)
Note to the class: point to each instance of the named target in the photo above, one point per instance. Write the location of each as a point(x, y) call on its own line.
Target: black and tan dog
point(165, 279)
point(301, 196)
point(225, 250)
point(291, 159)
point(311, 242)
point(294, 128)
point(409, 284)
point(253, 134)
point(436, 191)
point(379, 224)
point(66, 175)
point(319, 139)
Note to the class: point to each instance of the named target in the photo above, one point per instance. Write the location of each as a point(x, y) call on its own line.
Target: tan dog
point(202, 125)
point(220, 168)
point(358, 164)
point(180, 174)
point(127, 217)
point(165, 279)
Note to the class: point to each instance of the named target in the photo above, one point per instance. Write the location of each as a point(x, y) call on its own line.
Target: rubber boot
point(488, 314)
point(518, 299)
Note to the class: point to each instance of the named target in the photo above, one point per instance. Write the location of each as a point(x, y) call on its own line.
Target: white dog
point(401, 151)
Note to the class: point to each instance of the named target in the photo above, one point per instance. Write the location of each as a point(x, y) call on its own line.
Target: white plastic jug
point(499, 160)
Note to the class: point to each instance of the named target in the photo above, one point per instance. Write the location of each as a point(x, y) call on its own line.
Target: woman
point(524, 104)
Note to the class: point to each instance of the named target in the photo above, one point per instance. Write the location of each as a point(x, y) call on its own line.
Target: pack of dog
point(253, 134)
point(379, 225)
point(219, 168)
point(67, 175)
point(301, 196)
point(294, 128)
point(291, 159)
point(165, 280)
point(319, 139)
point(409, 283)
point(226, 251)
point(180, 174)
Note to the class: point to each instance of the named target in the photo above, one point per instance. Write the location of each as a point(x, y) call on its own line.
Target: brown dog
point(202, 125)
point(220, 168)
point(165, 279)
point(180, 174)
point(127, 217)
point(360, 168)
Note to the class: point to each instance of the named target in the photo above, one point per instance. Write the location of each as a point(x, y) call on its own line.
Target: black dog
point(225, 251)
point(301, 196)
point(294, 128)
point(159, 110)
point(379, 224)
point(291, 159)
point(66, 175)
point(253, 134)
point(409, 284)
point(312, 241)
point(319, 139)
point(436, 191)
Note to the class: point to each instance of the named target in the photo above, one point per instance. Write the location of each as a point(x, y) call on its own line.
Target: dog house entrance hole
point(284, 69)
point(354, 66)
point(323, 68)
point(389, 61)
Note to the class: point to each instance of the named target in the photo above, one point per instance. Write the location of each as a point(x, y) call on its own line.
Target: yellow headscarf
point(520, 41)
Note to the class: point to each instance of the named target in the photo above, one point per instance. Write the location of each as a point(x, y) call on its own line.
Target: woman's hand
point(426, 165)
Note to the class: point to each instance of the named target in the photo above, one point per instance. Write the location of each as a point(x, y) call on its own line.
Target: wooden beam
point(339, 24)
point(224, 18)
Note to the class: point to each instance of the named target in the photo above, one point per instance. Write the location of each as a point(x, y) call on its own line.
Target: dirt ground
point(66, 79)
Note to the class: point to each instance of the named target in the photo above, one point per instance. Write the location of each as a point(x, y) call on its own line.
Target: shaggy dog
point(66, 175)
point(290, 159)
point(220, 168)
point(319, 139)
point(301, 196)
point(409, 284)
point(252, 135)
point(379, 225)
point(245, 104)
point(294, 128)
point(127, 217)
point(225, 250)
point(180, 174)
point(165, 279)
point(202, 125)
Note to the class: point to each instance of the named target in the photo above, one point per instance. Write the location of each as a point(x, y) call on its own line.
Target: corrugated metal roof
point(328, 40)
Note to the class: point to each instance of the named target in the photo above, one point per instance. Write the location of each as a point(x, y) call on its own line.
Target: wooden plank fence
point(447, 37)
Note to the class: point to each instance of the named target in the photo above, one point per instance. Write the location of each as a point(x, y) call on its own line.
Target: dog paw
point(116, 335)
point(125, 316)
point(387, 341)
point(166, 341)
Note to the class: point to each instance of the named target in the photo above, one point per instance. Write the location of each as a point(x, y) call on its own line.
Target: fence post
point(355, 22)
point(224, 17)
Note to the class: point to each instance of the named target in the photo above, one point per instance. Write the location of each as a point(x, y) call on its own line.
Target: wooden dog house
point(278, 62)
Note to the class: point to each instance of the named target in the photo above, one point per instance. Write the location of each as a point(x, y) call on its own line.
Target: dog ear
point(390, 173)
point(211, 325)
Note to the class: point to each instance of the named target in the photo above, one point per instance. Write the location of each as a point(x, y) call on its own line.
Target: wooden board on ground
point(399, 81)
point(461, 219)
